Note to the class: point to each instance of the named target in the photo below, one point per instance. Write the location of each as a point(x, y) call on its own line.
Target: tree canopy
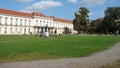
point(81, 20)
point(111, 22)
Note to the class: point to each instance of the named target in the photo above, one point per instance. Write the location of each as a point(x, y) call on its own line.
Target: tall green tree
point(96, 26)
point(111, 22)
point(81, 20)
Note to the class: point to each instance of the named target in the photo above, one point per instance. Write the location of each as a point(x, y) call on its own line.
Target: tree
point(81, 20)
point(96, 26)
point(111, 22)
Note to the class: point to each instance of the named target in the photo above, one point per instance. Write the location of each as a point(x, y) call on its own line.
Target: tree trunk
point(106, 30)
point(79, 32)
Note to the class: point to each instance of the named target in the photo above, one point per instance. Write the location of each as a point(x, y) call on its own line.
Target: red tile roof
point(12, 12)
point(62, 20)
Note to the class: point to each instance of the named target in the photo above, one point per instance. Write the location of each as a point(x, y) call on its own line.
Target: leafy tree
point(96, 26)
point(81, 20)
point(111, 22)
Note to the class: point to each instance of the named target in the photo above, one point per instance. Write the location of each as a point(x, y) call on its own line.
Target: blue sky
point(60, 8)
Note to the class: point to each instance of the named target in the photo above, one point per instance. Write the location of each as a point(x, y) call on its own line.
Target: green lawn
point(27, 48)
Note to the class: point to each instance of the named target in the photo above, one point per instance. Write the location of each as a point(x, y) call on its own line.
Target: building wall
point(11, 24)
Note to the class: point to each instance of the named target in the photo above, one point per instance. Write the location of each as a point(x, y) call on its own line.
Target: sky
point(61, 8)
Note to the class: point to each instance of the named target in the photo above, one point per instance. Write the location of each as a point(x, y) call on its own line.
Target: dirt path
point(93, 61)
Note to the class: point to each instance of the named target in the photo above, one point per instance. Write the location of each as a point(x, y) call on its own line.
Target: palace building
point(15, 22)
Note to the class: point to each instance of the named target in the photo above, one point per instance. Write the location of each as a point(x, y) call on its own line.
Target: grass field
point(27, 48)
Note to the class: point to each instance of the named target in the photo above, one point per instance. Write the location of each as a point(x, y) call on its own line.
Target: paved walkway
point(93, 61)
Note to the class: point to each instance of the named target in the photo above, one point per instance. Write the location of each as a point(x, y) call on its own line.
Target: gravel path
point(93, 61)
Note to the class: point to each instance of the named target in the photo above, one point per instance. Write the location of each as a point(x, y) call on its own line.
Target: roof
point(62, 20)
point(37, 14)
point(12, 12)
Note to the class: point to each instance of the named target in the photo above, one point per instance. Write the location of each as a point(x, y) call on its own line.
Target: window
point(36, 22)
point(5, 29)
point(25, 22)
point(29, 22)
point(29, 30)
point(50, 24)
point(40, 21)
point(44, 23)
point(16, 21)
point(11, 20)
point(0, 20)
point(11, 30)
point(6, 18)
point(20, 22)
point(16, 30)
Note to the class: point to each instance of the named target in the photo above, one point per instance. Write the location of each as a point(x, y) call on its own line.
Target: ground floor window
point(20, 30)
point(11, 30)
point(24, 30)
point(16, 30)
point(29, 30)
point(5, 30)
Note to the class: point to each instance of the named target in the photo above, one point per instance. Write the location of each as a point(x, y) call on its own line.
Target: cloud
point(91, 3)
point(22, 1)
point(42, 5)
point(73, 1)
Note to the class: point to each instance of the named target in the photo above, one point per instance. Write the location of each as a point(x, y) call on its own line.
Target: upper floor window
point(50, 23)
point(20, 22)
point(11, 20)
point(0, 20)
point(6, 18)
point(16, 21)
point(47, 22)
point(29, 22)
point(25, 22)
point(36, 22)
point(44, 23)
point(40, 21)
